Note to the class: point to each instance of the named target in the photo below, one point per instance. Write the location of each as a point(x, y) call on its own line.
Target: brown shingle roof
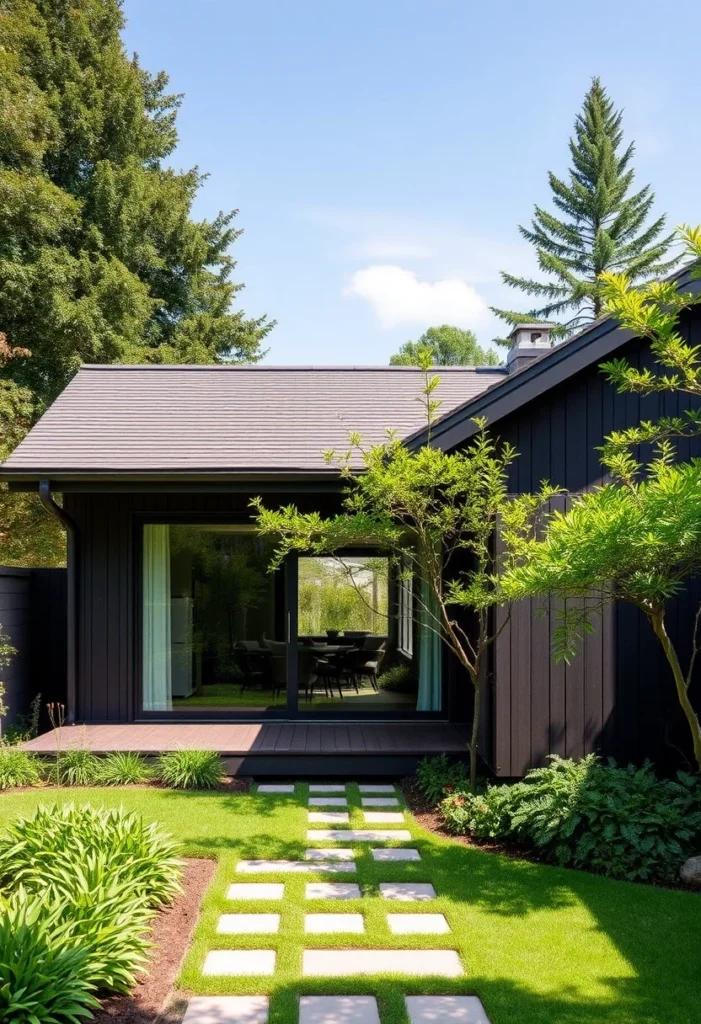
point(188, 419)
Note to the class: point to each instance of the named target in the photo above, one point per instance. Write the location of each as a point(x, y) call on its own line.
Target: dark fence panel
point(33, 617)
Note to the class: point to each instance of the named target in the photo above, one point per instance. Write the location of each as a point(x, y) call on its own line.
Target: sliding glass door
point(222, 636)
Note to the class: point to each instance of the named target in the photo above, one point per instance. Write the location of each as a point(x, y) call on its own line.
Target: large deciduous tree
point(600, 224)
point(445, 346)
point(100, 257)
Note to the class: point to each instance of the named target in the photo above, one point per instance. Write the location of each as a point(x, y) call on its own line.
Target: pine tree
point(603, 227)
point(447, 346)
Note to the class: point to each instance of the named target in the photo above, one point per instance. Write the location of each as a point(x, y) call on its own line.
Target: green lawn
point(540, 945)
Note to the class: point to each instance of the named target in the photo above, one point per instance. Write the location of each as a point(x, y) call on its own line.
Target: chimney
point(527, 342)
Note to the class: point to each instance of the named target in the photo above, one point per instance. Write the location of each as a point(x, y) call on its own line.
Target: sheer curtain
point(429, 696)
point(156, 634)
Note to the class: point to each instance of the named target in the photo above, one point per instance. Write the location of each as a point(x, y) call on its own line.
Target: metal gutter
point(66, 521)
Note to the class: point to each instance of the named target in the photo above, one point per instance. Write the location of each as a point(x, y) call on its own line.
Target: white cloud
point(399, 297)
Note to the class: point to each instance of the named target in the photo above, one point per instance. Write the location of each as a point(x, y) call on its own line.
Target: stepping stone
point(248, 924)
point(417, 924)
point(329, 817)
point(255, 891)
point(376, 789)
point(359, 835)
point(332, 891)
point(338, 1010)
point(406, 892)
point(236, 962)
point(275, 788)
point(395, 854)
point(261, 867)
point(341, 788)
point(227, 1010)
point(383, 817)
point(328, 801)
point(335, 853)
point(333, 924)
point(445, 1010)
point(379, 801)
point(345, 963)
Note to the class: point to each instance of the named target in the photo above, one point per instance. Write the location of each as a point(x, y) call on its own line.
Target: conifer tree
point(600, 224)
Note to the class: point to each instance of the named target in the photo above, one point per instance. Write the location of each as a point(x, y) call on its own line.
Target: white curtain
point(430, 654)
point(156, 633)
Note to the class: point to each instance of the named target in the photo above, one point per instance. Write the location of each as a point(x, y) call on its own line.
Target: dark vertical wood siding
point(617, 696)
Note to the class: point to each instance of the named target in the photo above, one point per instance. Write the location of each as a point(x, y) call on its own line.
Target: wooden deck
point(274, 748)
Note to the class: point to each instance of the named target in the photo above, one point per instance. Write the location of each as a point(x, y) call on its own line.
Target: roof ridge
point(291, 368)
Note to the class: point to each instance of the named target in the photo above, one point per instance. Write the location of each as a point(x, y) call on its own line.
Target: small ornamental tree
point(423, 509)
point(637, 540)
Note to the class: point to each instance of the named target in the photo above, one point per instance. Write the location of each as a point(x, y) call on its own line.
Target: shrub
point(124, 769)
point(75, 768)
point(43, 975)
point(621, 821)
point(190, 769)
point(18, 768)
point(58, 847)
point(435, 774)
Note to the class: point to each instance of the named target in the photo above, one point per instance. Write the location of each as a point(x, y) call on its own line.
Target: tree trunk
point(658, 625)
point(475, 734)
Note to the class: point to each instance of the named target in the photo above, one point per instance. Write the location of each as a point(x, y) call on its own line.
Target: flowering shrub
point(436, 775)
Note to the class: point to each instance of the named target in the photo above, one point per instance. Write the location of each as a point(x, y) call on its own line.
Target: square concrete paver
point(255, 891)
point(333, 924)
point(445, 1010)
point(274, 787)
point(407, 892)
point(261, 867)
point(227, 1010)
point(332, 853)
point(389, 853)
point(332, 891)
point(383, 817)
point(329, 817)
point(359, 835)
point(346, 963)
point(368, 788)
point(327, 801)
point(338, 1010)
point(237, 962)
point(248, 924)
point(379, 801)
point(418, 924)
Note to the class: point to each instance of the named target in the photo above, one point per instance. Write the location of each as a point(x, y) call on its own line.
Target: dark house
point(178, 634)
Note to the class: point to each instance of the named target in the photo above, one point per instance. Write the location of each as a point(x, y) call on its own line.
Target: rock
point(691, 871)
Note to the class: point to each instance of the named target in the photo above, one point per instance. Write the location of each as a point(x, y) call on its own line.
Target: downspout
point(66, 521)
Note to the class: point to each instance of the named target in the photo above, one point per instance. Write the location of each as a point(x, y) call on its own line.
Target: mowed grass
point(539, 945)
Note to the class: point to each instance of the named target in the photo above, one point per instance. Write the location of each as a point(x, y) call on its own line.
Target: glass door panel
point(214, 621)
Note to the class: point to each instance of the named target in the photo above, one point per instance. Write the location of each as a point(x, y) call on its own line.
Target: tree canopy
point(599, 224)
point(100, 258)
point(445, 346)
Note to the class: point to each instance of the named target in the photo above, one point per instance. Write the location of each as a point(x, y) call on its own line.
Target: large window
point(213, 620)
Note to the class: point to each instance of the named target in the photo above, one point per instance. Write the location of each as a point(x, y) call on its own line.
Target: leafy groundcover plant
point(620, 821)
point(18, 768)
point(80, 887)
point(437, 774)
point(190, 769)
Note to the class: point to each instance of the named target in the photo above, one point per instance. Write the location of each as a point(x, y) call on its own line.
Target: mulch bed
point(170, 935)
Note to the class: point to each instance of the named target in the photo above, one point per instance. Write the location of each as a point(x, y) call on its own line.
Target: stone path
point(348, 962)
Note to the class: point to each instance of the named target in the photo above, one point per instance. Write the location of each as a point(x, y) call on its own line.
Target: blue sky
point(383, 152)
